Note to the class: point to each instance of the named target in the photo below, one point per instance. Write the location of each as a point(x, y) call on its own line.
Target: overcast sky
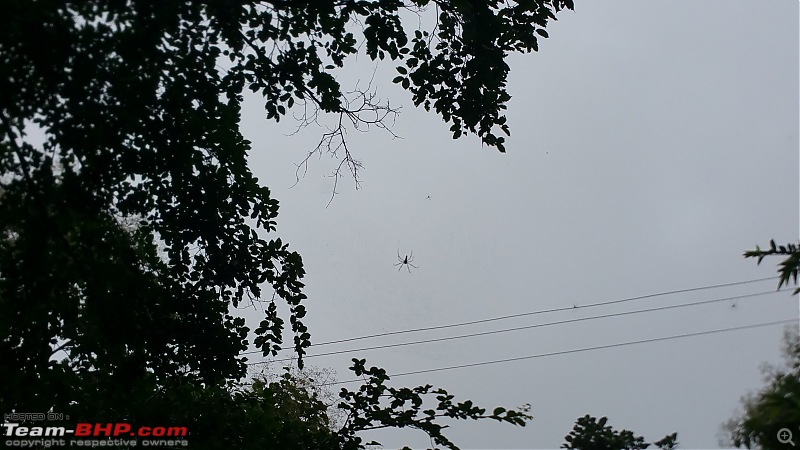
point(652, 144)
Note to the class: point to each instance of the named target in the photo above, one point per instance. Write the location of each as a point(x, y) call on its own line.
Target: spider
point(405, 261)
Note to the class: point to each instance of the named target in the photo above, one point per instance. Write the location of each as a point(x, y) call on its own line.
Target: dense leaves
point(136, 128)
point(293, 411)
point(131, 223)
point(590, 433)
point(775, 406)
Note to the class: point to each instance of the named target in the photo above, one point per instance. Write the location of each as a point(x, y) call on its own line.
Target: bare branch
point(361, 110)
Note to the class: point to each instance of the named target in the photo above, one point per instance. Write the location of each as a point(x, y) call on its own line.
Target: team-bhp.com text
point(95, 430)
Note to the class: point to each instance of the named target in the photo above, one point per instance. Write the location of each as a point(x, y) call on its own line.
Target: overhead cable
point(527, 327)
point(579, 350)
point(542, 311)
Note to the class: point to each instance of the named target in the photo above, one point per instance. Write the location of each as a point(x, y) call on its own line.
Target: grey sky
point(652, 143)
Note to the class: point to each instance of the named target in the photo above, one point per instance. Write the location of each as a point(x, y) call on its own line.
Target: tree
point(290, 412)
point(589, 433)
point(127, 111)
point(775, 406)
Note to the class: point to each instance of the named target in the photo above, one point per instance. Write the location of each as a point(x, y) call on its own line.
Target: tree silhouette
point(590, 433)
point(131, 221)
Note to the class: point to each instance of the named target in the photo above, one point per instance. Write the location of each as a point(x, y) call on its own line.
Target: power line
point(585, 349)
point(543, 311)
point(527, 327)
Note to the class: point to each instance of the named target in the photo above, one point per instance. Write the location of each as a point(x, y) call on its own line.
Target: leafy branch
point(375, 405)
point(788, 268)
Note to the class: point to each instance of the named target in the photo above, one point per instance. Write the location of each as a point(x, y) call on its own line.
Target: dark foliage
point(590, 433)
point(131, 222)
point(772, 408)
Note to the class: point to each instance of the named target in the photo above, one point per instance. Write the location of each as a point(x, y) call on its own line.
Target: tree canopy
point(131, 221)
point(590, 433)
point(775, 406)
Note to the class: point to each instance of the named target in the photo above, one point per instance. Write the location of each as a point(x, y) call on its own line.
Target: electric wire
point(579, 350)
point(530, 313)
point(527, 327)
